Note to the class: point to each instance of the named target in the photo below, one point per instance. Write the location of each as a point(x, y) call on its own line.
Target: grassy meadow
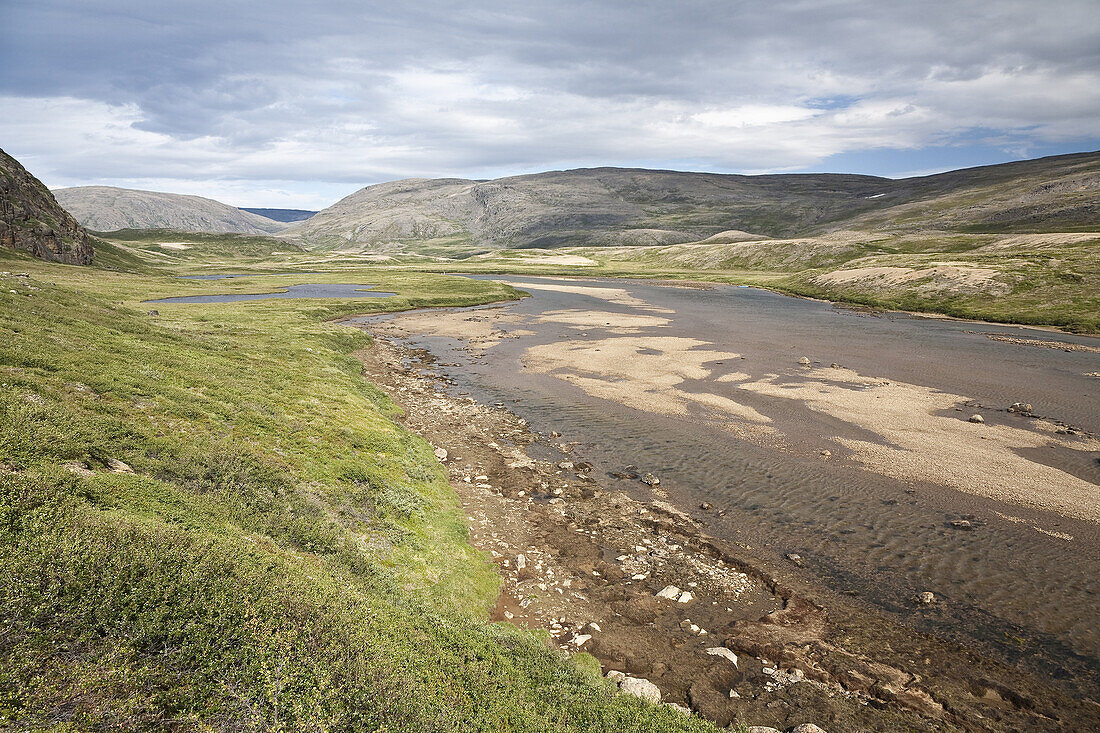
point(210, 521)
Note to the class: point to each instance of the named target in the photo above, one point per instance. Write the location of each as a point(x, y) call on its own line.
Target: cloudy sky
point(289, 103)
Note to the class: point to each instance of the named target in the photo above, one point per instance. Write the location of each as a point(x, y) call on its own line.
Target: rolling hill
point(108, 209)
point(619, 206)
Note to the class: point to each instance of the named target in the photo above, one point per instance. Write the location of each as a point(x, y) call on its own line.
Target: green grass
point(284, 556)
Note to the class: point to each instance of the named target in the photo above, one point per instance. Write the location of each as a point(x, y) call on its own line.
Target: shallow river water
point(864, 462)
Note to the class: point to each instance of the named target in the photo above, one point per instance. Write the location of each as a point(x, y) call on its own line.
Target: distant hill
point(32, 221)
point(617, 206)
point(108, 209)
point(283, 215)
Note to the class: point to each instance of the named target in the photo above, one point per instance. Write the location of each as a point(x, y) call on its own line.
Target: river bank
point(589, 563)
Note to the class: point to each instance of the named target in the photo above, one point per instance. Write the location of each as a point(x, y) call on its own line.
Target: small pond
point(311, 290)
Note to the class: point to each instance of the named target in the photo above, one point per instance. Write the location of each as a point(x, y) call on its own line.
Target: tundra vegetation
point(210, 521)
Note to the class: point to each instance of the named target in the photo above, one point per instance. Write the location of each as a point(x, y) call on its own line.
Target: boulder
point(669, 592)
point(118, 466)
point(640, 688)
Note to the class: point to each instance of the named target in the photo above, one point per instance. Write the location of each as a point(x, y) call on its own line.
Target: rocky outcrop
point(31, 219)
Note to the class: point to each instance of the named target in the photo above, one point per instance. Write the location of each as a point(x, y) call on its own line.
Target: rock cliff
point(31, 219)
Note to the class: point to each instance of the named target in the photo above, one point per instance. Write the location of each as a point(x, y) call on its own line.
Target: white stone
point(721, 651)
point(669, 592)
point(441, 453)
point(641, 688)
point(686, 597)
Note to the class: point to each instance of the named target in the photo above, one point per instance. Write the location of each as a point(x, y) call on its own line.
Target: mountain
point(283, 215)
point(108, 209)
point(31, 219)
point(615, 206)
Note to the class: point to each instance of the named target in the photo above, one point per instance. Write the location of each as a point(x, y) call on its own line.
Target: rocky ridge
point(32, 221)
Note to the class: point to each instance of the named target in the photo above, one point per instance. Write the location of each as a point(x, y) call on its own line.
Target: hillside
point(108, 209)
point(32, 221)
point(616, 206)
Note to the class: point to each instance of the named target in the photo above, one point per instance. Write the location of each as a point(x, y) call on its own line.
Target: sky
point(286, 103)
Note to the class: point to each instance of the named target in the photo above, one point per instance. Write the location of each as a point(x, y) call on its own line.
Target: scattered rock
point(154, 313)
point(806, 728)
point(962, 524)
point(721, 651)
point(565, 465)
point(118, 466)
point(640, 688)
point(581, 639)
point(521, 562)
point(795, 558)
point(804, 361)
point(761, 729)
point(705, 506)
point(926, 598)
point(1021, 407)
point(651, 480)
point(825, 453)
point(441, 453)
point(834, 365)
point(977, 419)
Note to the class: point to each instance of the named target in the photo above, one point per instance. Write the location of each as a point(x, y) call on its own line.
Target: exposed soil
point(587, 564)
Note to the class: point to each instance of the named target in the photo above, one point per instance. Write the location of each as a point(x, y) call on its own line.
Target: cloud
point(306, 99)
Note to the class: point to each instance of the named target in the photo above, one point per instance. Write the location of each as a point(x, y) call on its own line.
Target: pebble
point(650, 479)
point(926, 598)
point(977, 419)
point(804, 361)
point(806, 728)
point(441, 454)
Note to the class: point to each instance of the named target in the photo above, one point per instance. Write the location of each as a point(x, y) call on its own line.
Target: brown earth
point(586, 564)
